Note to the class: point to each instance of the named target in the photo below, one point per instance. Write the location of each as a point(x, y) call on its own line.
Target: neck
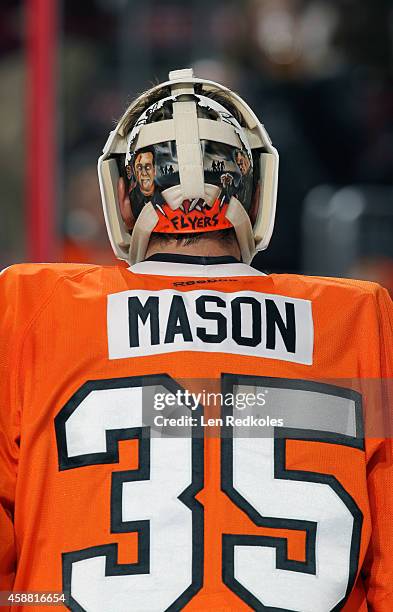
point(205, 247)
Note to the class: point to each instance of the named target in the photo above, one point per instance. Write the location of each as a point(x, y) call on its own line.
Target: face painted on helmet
point(243, 162)
point(188, 156)
point(155, 176)
point(145, 172)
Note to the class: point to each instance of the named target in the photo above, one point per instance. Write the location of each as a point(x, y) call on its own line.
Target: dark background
point(317, 72)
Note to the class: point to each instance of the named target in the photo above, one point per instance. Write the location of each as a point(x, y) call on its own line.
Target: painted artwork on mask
point(154, 169)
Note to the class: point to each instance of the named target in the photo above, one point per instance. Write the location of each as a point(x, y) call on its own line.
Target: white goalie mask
point(190, 166)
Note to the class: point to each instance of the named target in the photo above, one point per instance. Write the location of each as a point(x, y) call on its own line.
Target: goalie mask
point(190, 166)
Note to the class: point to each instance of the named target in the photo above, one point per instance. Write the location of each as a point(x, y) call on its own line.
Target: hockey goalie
point(121, 486)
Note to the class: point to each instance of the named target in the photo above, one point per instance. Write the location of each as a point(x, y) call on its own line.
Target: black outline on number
point(111, 455)
point(281, 434)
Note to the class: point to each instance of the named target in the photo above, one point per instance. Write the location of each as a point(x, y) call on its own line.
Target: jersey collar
point(193, 265)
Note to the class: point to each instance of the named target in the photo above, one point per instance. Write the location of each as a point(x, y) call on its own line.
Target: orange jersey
point(117, 490)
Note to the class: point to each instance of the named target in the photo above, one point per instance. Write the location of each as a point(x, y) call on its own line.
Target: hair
point(149, 149)
point(228, 236)
point(151, 96)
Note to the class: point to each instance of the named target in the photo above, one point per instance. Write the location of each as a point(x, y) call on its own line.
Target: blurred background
point(317, 72)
